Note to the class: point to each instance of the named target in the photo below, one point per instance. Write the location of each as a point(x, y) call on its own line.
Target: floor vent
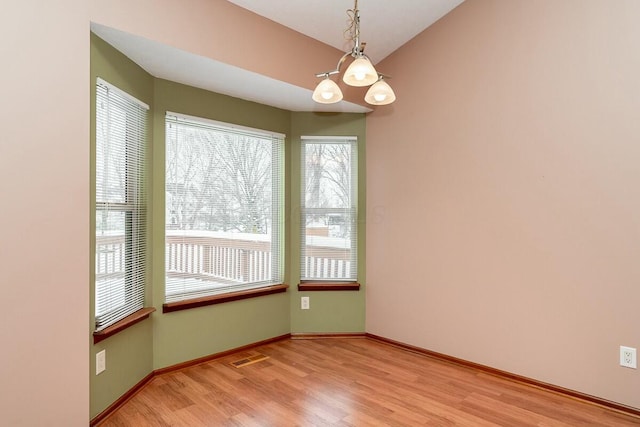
point(249, 360)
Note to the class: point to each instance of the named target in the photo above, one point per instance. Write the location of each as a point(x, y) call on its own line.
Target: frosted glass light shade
point(380, 94)
point(327, 92)
point(360, 73)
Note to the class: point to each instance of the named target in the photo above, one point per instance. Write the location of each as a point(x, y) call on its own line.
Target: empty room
point(320, 213)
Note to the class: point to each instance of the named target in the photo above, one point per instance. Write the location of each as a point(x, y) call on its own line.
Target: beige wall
point(503, 192)
point(44, 218)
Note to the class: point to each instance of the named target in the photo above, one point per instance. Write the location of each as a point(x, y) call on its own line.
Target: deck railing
point(229, 260)
point(110, 257)
point(214, 258)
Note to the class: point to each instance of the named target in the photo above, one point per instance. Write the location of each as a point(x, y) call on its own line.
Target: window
point(224, 187)
point(121, 123)
point(329, 221)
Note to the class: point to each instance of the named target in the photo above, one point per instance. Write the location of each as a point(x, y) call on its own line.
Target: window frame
point(275, 284)
point(320, 283)
point(133, 207)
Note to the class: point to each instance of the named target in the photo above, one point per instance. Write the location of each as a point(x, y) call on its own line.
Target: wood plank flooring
point(348, 382)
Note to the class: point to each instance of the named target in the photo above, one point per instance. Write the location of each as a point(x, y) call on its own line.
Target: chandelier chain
point(351, 33)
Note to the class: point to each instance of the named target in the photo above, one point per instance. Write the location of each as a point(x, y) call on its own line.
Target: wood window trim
point(328, 286)
point(123, 324)
point(222, 298)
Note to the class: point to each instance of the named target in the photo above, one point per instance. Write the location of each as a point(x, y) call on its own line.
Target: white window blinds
point(329, 220)
point(224, 187)
point(121, 125)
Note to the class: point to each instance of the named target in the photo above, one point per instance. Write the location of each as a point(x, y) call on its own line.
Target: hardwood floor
point(348, 382)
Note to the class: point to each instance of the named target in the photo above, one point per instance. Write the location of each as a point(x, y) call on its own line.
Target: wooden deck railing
point(211, 258)
point(219, 259)
point(110, 257)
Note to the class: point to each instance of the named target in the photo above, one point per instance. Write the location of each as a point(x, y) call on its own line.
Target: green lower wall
point(334, 311)
point(168, 339)
point(190, 334)
point(129, 354)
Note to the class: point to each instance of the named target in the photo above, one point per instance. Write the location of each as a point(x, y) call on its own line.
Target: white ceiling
point(385, 26)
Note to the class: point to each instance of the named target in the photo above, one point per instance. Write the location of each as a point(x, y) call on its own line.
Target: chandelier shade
point(359, 73)
point(380, 94)
point(327, 92)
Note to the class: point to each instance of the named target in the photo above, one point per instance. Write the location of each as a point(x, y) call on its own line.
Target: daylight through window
point(224, 201)
point(121, 123)
point(329, 229)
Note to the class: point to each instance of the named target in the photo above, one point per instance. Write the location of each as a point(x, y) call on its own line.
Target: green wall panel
point(194, 333)
point(168, 339)
point(330, 311)
point(129, 354)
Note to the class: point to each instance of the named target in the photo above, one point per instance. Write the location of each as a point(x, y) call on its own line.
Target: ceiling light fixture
point(359, 73)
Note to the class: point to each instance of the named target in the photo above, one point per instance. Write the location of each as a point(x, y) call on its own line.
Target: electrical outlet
point(304, 303)
point(101, 361)
point(628, 357)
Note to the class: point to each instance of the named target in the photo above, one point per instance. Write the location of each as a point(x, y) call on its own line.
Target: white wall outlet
point(101, 361)
point(304, 303)
point(628, 357)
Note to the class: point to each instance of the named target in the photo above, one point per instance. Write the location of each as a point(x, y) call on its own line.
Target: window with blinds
point(224, 198)
point(121, 124)
point(329, 221)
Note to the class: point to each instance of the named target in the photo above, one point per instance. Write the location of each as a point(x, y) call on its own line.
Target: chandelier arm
point(327, 73)
point(337, 69)
point(341, 60)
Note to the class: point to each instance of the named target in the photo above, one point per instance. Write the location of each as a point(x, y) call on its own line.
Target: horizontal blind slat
point(121, 128)
point(329, 217)
point(224, 192)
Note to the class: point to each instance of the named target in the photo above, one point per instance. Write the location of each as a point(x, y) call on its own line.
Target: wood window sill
point(123, 324)
point(329, 286)
point(222, 298)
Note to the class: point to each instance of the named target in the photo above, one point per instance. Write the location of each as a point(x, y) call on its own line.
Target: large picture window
point(224, 201)
point(121, 123)
point(329, 231)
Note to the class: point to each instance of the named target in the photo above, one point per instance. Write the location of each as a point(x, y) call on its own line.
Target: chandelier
point(359, 73)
